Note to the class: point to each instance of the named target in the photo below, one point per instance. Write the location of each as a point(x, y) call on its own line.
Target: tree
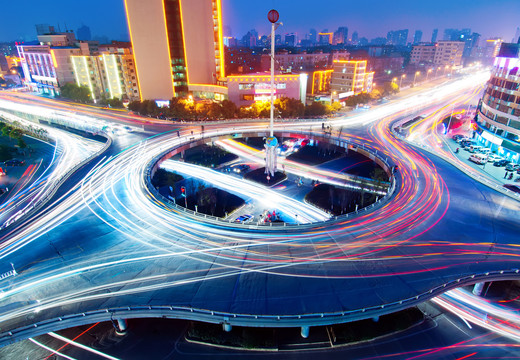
point(228, 109)
point(289, 107)
point(178, 108)
point(75, 92)
point(389, 88)
point(315, 109)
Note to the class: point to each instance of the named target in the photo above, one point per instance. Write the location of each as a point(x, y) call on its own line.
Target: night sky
point(370, 18)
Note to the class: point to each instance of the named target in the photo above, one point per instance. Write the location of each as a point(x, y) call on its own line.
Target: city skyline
point(241, 17)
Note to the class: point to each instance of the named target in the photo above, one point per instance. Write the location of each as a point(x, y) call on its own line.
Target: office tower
point(417, 37)
point(83, 33)
point(435, 32)
point(177, 45)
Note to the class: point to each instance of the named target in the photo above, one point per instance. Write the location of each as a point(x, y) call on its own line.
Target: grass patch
point(208, 156)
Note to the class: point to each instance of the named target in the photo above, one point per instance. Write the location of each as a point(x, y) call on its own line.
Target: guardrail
point(254, 320)
point(338, 141)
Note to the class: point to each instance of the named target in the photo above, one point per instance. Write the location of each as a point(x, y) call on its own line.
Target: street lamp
point(415, 76)
point(428, 73)
point(271, 142)
point(401, 81)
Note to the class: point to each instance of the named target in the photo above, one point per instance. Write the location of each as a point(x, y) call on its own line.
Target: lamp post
point(401, 81)
point(271, 142)
point(415, 77)
point(428, 73)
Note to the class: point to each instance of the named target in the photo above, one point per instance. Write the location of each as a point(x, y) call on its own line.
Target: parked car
point(512, 187)
point(478, 158)
point(501, 163)
point(467, 143)
point(464, 138)
point(14, 162)
point(494, 157)
point(457, 137)
point(244, 219)
point(474, 148)
point(512, 167)
point(485, 151)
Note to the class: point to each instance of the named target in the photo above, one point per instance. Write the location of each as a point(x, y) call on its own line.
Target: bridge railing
point(211, 316)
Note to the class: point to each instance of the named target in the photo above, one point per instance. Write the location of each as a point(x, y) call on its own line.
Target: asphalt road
point(106, 246)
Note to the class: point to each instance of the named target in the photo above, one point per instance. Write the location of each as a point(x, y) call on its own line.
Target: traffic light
point(183, 191)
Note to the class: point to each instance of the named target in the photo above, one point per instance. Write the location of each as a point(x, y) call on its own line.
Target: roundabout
point(112, 249)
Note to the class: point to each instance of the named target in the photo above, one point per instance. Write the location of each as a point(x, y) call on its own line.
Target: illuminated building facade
point(321, 82)
point(498, 123)
point(441, 53)
point(107, 75)
point(423, 54)
point(47, 66)
point(178, 47)
point(244, 90)
point(304, 61)
point(448, 53)
point(350, 77)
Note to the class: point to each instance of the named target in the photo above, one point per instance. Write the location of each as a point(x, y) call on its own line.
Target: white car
point(494, 157)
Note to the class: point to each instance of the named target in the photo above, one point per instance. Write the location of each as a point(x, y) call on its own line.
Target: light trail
point(164, 249)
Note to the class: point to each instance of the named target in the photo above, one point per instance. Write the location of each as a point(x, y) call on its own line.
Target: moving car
point(512, 187)
point(244, 219)
point(512, 167)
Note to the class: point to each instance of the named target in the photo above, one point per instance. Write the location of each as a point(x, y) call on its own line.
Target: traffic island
point(259, 176)
point(208, 156)
point(316, 154)
point(338, 201)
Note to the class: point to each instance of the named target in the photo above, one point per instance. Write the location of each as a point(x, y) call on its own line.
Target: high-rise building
point(325, 37)
point(178, 47)
point(83, 33)
point(498, 124)
point(340, 36)
point(423, 54)
point(350, 77)
point(108, 74)
point(448, 53)
point(398, 37)
point(417, 37)
point(291, 39)
point(44, 29)
point(47, 66)
point(516, 38)
point(491, 48)
point(435, 32)
point(313, 36)
point(355, 38)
